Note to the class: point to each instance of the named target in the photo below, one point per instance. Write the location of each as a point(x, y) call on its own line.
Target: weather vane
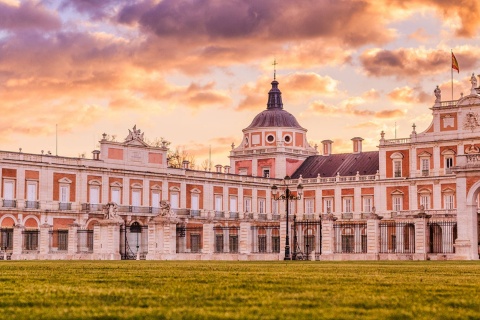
point(274, 69)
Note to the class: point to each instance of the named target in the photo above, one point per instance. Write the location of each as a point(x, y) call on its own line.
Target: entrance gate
point(307, 238)
point(133, 242)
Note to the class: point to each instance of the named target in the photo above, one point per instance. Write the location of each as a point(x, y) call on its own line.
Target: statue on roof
point(473, 80)
point(438, 94)
point(135, 134)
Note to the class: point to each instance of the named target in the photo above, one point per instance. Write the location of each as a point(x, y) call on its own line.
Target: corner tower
point(274, 144)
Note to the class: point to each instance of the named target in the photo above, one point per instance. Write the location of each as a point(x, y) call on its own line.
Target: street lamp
point(287, 196)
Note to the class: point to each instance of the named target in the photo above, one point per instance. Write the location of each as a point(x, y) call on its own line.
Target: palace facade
point(414, 198)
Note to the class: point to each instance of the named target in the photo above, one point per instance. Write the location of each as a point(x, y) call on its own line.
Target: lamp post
point(287, 196)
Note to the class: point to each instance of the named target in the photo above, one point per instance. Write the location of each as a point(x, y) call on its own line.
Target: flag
point(455, 63)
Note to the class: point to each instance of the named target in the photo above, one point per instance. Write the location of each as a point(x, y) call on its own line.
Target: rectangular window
point(116, 195)
point(64, 194)
point(174, 200)
point(449, 201)
point(262, 243)
point(195, 201)
point(233, 243)
point(8, 190)
point(219, 243)
point(309, 206)
point(32, 191)
point(425, 167)
point(218, 202)
point(247, 206)
point(195, 243)
point(274, 206)
point(397, 168)
point(155, 199)
point(233, 204)
point(275, 244)
point(261, 205)
point(347, 205)
point(94, 195)
point(425, 201)
point(292, 207)
point(367, 204)
point(136, 198)
point(397, 203)
point(448, 162)
point(62, 240)
point(327, 204)
point(266, 173)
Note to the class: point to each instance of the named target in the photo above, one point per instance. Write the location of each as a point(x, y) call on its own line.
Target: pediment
point(116, 184)
point(396, 155)
point(136, 142)
point(94, 182)
point(156, 187)
point(64, 180)
point(472, 99)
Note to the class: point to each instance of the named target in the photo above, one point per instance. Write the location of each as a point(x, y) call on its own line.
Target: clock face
point(471, 121)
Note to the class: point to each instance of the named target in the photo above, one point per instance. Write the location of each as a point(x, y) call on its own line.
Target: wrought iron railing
point(9, 203)
point(64, 206)
point(32, 204)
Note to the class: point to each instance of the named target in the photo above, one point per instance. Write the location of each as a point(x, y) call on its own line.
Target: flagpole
point(451, 70)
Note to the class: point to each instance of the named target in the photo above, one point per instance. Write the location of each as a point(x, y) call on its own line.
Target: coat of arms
point(471, 121)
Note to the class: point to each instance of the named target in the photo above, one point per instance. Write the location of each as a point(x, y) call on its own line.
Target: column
point(373, 235)
point(327, 237)
point(208, 238)
point(17, 242)
point(72, 238)
point(421, 237)
point(244, 238)
point(45, 237)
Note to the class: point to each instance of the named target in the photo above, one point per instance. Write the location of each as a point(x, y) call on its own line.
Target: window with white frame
point(347, 204)
point(425, 200)
point(328, 205)
point(309, 205)
point(261, 205)
point(136, 197)
point(425, 166)
point(94, 194)
point(218, 202)
point(367, 204)
point(64, 193)
point(397, 202)
point(292, 206)
point(449, 201)
point(195, 201)
point(247, 204)
point(8, 189)
point(448, 156)
point(174, 199)
point(233, 204)
point(397, 160)
point(155, 198)
point(274, 206)
point(32, 190)
point(116, 194)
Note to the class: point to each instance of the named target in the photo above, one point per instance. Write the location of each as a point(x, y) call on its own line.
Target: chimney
point(357, 144)
point(186, 164)
point(227, 169)
point(327, 147)
point(218, 167)
point(96, 154)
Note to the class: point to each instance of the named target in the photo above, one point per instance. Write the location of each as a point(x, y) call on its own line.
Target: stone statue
point(165, 209)
point(473, 80)
point(135, 134)
point(110, 211)
point(438, 94)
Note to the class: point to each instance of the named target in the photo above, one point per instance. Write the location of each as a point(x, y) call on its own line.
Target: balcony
point(262, 216)
point(32, 204)
point(276, 217)
point(233, 215)
point(64, 206)
point(347, 215)
point(195, 213)
point(219, 214)
point(92, 207)
point(425, 173)
point(9, 203)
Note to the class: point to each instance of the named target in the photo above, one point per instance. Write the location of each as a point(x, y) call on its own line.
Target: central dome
point(274, 116)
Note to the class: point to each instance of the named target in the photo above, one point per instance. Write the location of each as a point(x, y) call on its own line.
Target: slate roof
point(347, 164)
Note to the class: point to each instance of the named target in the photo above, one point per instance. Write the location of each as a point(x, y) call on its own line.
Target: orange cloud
point(409, 95)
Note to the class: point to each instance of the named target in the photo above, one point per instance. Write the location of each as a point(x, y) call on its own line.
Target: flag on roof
point(455, 63)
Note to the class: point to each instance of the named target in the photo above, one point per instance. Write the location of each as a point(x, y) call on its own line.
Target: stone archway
point(468, 240)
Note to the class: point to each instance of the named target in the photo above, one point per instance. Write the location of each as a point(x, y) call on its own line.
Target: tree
point(158, 142)
point(175, 158)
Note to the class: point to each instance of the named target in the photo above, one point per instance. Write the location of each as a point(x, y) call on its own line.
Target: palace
point(414, 198)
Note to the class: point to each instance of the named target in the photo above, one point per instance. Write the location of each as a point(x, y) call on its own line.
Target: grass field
point(239, 290)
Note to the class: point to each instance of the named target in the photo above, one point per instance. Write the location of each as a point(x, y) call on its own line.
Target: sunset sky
point(197, 72)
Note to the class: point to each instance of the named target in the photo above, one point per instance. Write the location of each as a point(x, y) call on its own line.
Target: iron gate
point(133, 241)
point(307, 238)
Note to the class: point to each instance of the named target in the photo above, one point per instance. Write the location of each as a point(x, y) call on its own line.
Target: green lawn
point(239, 290)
